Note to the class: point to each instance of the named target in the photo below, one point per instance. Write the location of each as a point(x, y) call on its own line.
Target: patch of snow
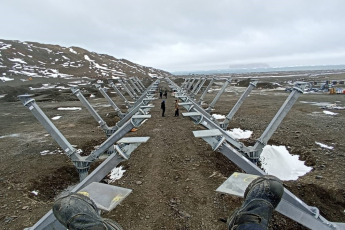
point(218, 116)
point(44, 152)
point(91, 96)
point(116, 174)
point(277, 161)
point(2, 95)
point(5, 46)
point(238, 133)
point(34, 192)
point(17, 60)
point(62, 87)
point(56, 117)
point(324, 146)
point(10, 135)
point(44, 86)
point(329, 113)
point(87, 58)
point(73, 51)
point(69, 108)
point(327, 105)
point(6, 79)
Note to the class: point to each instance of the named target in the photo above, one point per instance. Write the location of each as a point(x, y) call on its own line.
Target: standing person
point(160, 93)
point(176, 109)
point(163, 108)
point(166, 94)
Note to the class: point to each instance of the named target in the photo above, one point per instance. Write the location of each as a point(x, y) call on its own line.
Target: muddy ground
point(173, 175)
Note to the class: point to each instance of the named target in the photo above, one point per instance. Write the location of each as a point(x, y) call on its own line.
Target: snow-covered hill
point(25, 60)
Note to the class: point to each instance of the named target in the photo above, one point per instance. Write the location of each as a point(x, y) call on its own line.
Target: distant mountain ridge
point(31, 59)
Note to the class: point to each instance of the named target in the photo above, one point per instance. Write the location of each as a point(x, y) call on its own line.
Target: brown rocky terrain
point(173, 175)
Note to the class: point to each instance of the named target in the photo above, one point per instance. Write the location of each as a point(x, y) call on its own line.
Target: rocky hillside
point(28, 60)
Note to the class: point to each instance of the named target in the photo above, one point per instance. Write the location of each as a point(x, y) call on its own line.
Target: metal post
point(195, 87)
point(140, 82)
point(48, 125)
point(119, 93)
point(91, 110)
point(111, 102)
point(134, 85)
point(211, 106)
point(238, 104)
point(200, 86)
point(127, 90)
point(183, 83)
point(186, 83)
point(274, 124)
point(136, 82)
point(205, 91)
point(130, 88)
point(190, 84)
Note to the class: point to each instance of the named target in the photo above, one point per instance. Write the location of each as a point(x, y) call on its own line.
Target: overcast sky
point(177, 35)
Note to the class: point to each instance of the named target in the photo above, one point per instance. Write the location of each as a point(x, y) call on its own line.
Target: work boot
point(77, 211)
point(262, 196)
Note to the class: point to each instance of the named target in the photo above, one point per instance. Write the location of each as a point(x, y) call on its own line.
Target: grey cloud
point(185, 35)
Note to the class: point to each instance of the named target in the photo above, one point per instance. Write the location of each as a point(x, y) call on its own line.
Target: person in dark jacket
point(163, 108)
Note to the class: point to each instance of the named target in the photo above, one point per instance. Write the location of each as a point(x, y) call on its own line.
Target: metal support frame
point(290, 205)
point(82, 163)
point(124, 85)
point(103, 91)
point(139, 81)
point(130, 88)
point(184, 83)
point(126, 146)
point(134, 85)
point(252, 152)
point(274, 124)
point(111, 84)
point(91, 110)
point(190, 84)
point(238, 104)
point(200, 86)
point(136, 82)
point(213, 103)
point(195, 87)
point(205, 91)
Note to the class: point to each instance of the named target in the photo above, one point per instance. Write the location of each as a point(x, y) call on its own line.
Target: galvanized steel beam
point(205, 91)
point(119, 93)
point(238, 104)
point(110, 101)
point(213, 103)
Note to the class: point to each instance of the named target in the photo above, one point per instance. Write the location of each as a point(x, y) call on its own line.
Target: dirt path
point(171, 178)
